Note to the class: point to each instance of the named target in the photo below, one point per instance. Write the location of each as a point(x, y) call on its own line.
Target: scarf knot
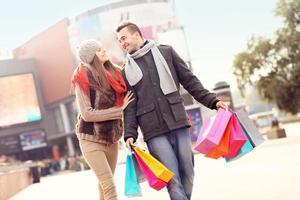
point(116, 82)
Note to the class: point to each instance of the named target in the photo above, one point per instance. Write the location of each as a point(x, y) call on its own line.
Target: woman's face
point(102, 55)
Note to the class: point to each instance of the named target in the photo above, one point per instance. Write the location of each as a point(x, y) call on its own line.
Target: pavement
point(270, 172)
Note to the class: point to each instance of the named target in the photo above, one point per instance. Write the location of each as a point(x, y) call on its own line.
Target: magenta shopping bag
point(237, 138)
point(153, 181)
point(212, 131)
point(247, 147)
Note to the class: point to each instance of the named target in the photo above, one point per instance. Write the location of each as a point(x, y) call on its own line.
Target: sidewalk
point(270, 172)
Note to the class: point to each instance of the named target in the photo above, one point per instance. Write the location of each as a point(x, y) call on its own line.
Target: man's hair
point(132, 27)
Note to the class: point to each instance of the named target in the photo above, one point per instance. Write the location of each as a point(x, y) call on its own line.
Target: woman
point(100, 93)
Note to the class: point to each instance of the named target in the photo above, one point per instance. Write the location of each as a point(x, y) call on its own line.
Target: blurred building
point(5, 54)
point(24, 119)
point(222, 89)
point(50, 59)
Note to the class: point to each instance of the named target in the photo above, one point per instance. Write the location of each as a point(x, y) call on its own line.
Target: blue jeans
point(174, 150)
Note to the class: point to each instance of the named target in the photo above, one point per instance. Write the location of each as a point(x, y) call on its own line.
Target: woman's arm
point(90, 114)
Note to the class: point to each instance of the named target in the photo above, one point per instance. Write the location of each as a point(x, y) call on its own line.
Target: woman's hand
point(127, 99)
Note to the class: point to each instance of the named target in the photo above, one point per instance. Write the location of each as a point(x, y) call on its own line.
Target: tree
point(273, 65)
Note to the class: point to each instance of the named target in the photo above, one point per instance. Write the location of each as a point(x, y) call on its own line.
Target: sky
point(216, 30)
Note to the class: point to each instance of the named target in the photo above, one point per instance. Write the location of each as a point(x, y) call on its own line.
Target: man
point(153, 73)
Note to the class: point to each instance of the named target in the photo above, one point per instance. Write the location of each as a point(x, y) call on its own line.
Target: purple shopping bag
point(212, 131)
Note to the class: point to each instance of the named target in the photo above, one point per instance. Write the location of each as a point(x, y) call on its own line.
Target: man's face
point(128, 40)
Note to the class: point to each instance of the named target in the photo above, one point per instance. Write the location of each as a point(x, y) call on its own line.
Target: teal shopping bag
point(132, 187)
point(246, 148)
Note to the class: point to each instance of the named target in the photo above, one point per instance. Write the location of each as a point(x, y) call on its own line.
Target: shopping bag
point(254, 136)
point(223, 147)
point(160, 171)
point(237, 138)
point(153, 181)
point(139, 173)
point(132, 187)
point(213, 131)
point(246, 148)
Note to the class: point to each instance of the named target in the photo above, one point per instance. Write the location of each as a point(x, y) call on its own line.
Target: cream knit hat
point(87, 50)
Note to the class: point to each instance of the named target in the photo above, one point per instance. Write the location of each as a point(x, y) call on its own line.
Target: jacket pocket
point(147, 118)
point(177, 108)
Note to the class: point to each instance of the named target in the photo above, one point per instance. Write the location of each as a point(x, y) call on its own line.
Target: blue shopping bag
point(132, 187)
point(246, 148)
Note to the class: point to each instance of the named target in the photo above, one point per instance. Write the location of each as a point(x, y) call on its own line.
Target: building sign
point(18, 100)
point(196, 121)
point(33, 139)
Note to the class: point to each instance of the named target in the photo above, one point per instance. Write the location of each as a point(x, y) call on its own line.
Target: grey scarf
point(134, 73)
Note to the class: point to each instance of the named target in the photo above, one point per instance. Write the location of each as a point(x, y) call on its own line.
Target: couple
point(145, 94)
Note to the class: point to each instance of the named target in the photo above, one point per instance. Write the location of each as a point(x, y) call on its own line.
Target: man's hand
point(129, 142)
point(222, 105)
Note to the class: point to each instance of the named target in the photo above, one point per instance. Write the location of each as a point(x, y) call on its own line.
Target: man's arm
point(130, 121)
point(192, 84)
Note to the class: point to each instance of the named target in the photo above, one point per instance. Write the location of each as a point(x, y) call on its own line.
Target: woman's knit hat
point(87, 50)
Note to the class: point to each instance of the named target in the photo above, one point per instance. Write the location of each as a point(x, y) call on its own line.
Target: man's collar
point(145, 42)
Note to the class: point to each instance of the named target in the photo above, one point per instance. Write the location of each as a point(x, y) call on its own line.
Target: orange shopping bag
point(223, 147)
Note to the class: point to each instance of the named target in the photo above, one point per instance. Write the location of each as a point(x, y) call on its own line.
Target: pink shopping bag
point(223, 147)
point(212, 131)
point(153, 181)
point(237, 138)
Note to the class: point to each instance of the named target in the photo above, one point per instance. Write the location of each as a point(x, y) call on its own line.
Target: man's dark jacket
point(155, 112)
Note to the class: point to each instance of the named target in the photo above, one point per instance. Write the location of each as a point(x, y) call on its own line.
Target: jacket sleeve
point(90, 114)
point(130, 120)
point(192, 84)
